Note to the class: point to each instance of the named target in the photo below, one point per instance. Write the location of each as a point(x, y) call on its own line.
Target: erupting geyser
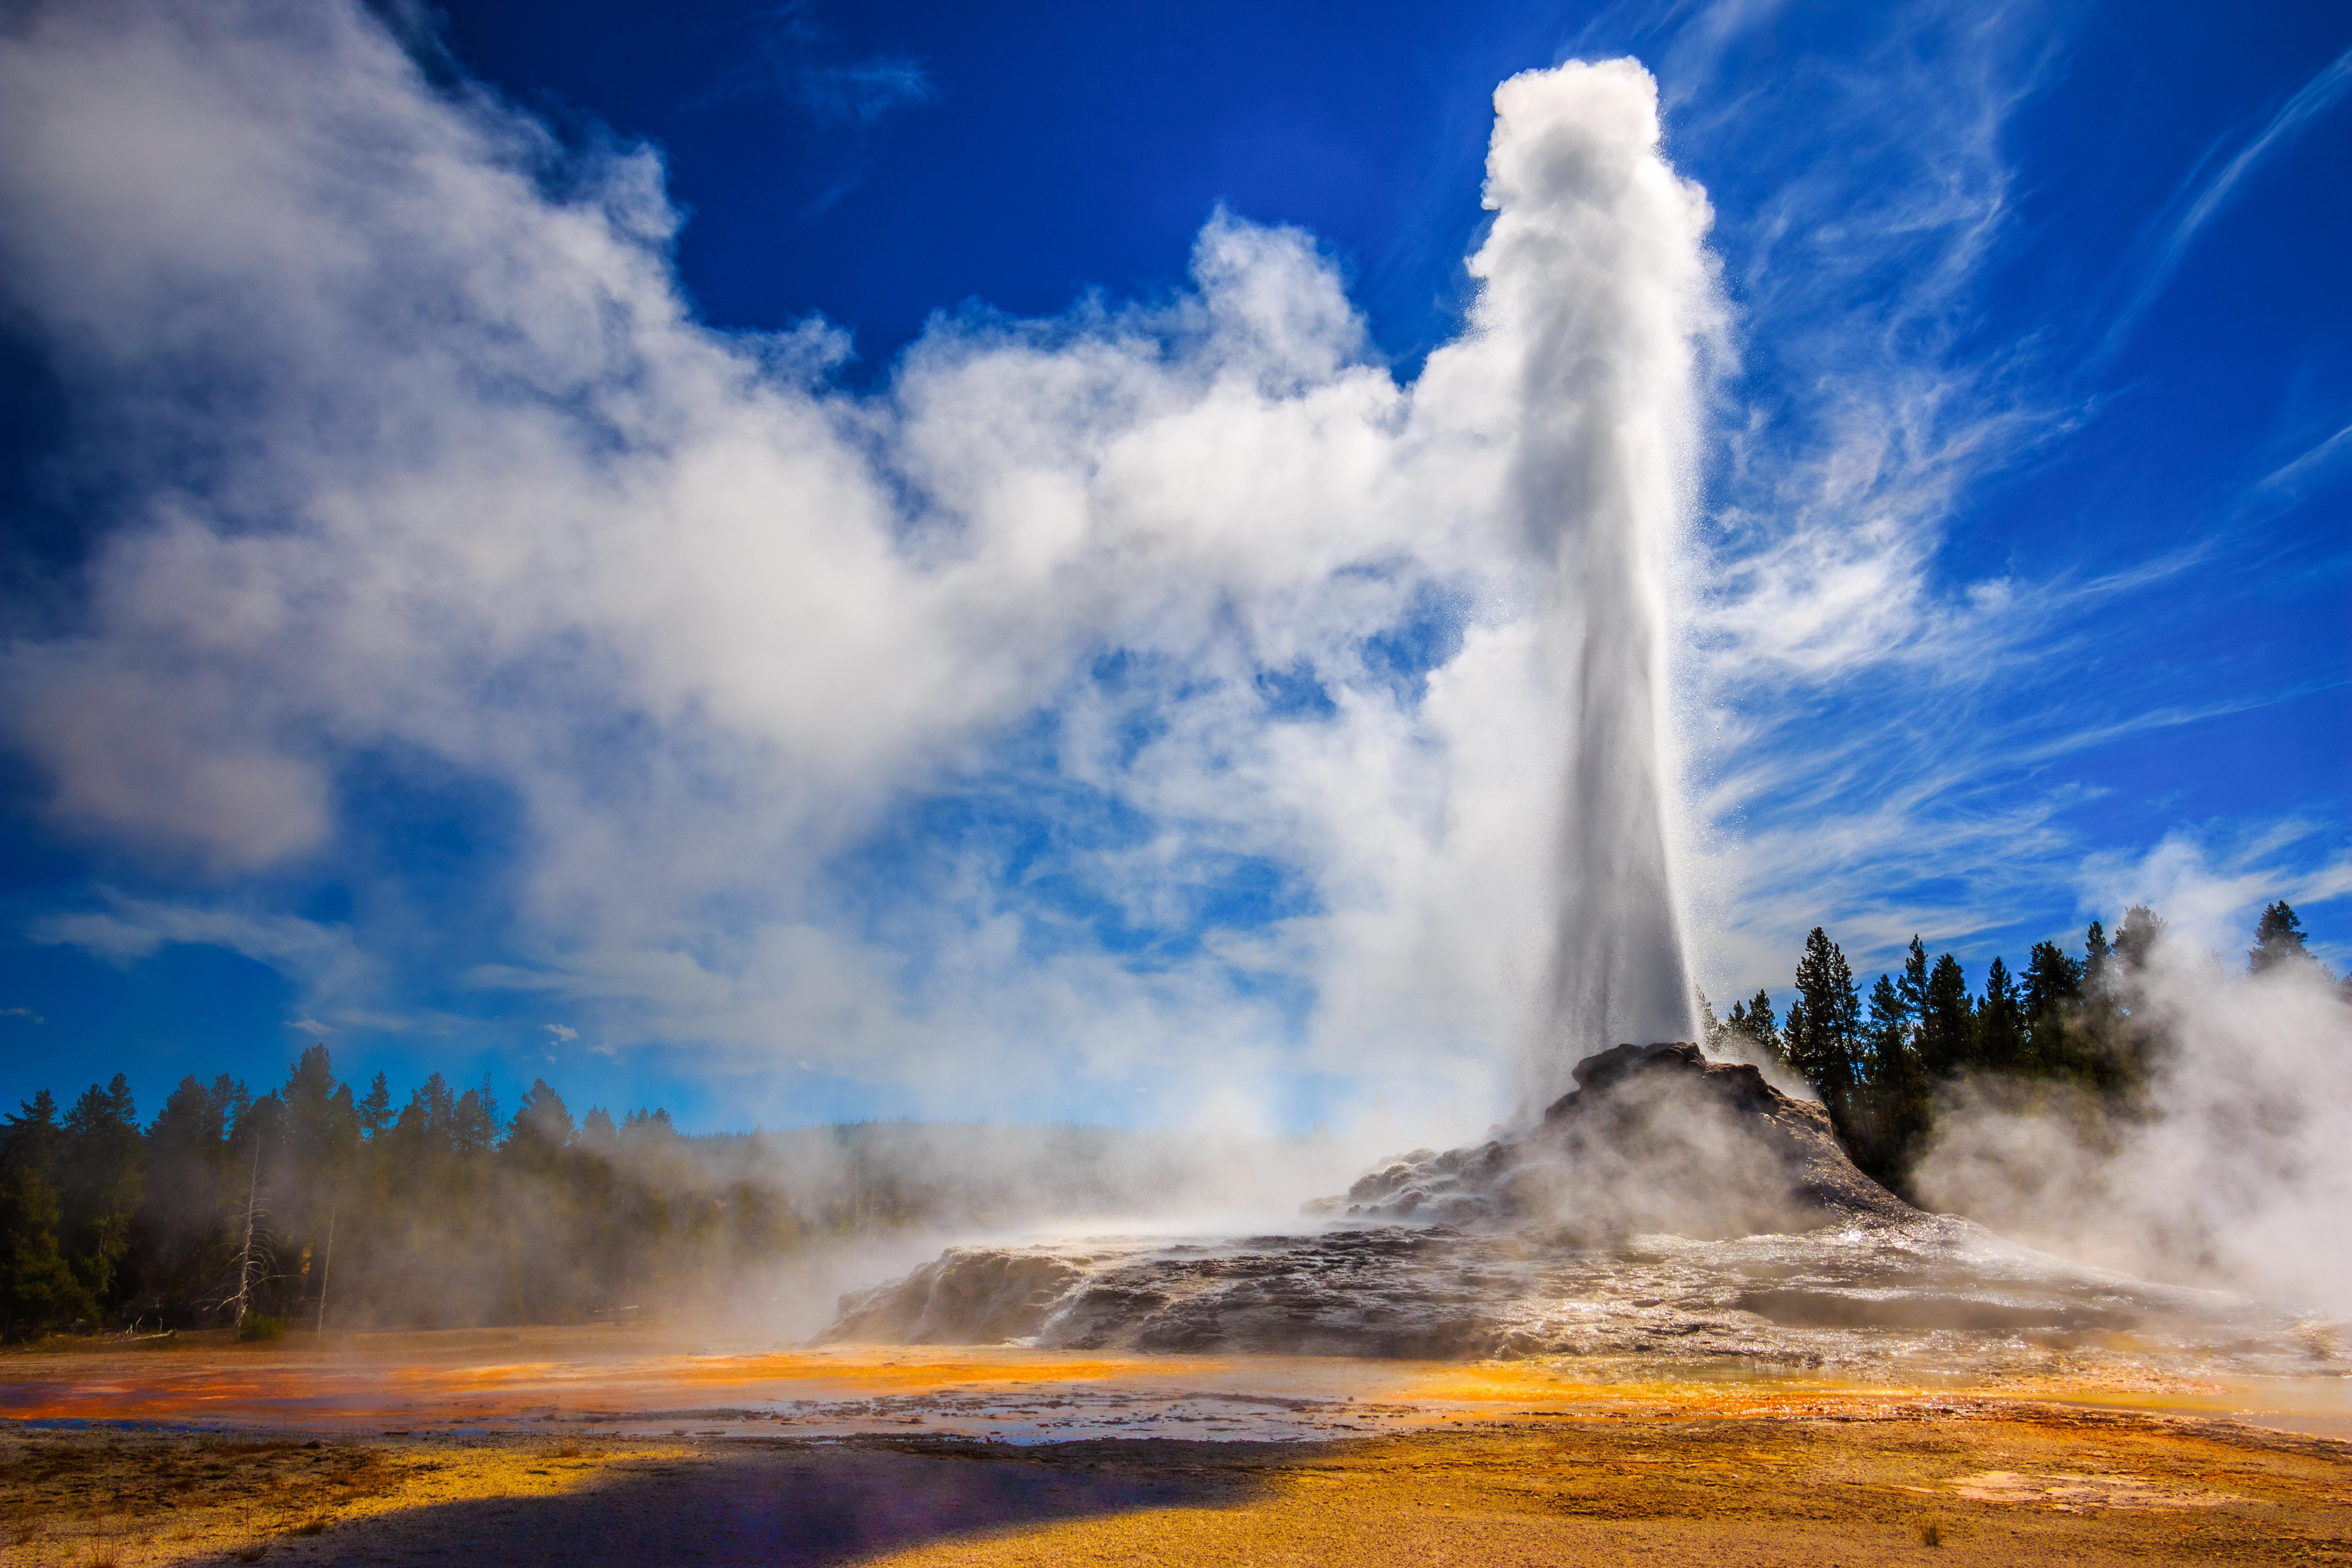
point(1593, 282)
point(1665, 1201)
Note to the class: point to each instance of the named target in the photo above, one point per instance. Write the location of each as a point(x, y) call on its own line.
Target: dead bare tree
point(327, 1264)
point(245, 1254)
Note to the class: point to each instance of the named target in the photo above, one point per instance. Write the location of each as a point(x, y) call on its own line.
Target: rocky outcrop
point(1653, 1139)
point(1670, 1203)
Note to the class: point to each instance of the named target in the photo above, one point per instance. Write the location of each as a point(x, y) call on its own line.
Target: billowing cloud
point(1155, 693)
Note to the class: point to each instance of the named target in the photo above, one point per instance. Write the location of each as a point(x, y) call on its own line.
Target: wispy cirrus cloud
point(843, 105)
point(125, 928)
point(2203, 199)
point(1883, 729)
point(2314, 466)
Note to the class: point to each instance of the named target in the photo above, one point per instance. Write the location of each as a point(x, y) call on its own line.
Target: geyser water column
point(1596, 284)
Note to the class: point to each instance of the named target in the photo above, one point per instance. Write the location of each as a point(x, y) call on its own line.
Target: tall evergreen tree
point(38, 1291)
point(1999, 1042)
point(1825, 1021)
point(2053, 1004)
point(31, 1134)
point(183, 1206)
point(542, 1124)
point(1912, 988)
point(474, 1121)
point(2099, 1005)
point(100, 1156)
point(375, 1111)
point(312, 1175)
point(2279, 943)
point(1710, 1028)
point(597, 1133)
point(1887, 1034)
point(1753, 1024)
point(1946, 1020)
point(2136, 939)
point(1887, 1121)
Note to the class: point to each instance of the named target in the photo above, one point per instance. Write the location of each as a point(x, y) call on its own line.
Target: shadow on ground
point(783, 1506)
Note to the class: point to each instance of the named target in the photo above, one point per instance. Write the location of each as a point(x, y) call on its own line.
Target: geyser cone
point(1668, 1204)
point(1594, 281)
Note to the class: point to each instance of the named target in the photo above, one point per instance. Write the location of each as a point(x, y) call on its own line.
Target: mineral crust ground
point(642, 1447)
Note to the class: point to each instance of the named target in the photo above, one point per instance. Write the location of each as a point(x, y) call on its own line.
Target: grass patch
point(260, 1329)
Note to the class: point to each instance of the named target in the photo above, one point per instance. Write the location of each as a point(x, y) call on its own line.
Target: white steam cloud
point(426, 471)
point(2232, 1174)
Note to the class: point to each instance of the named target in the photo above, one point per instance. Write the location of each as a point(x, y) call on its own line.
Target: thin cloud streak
point(2316, 98)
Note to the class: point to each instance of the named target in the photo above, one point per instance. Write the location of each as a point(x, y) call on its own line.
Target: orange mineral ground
point(651, 1444)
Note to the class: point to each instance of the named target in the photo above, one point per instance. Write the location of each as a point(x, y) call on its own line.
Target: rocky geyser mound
point(1526, 1243)
point(1653, 1139)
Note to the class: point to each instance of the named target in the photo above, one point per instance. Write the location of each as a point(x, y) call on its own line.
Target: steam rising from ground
point(424, 477)
point(2236, 1172)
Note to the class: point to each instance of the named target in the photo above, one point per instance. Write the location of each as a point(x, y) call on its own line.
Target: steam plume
point(2233, 1173)
point(420, 464)
point(1595, 278)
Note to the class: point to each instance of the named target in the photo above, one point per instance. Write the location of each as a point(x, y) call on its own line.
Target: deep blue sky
point(2094, 256)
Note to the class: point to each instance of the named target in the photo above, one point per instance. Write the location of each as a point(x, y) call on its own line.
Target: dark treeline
point(313, 1205)
point(1880, 1063)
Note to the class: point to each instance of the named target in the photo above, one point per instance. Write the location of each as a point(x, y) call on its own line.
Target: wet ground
point(660, 1382)
point(1882, 1481)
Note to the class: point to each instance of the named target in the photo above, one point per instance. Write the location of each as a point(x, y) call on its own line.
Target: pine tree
point(1889, 1120)
point(37, 1289)
point(1946, 1019)
point(2000, 1043)
point(376, 1110)
point(181, 1211)
point(1752, 1024)
point(2098, 982)
point(542, 1124)
point(31, 1134)
point(597, 1133)
point(99, 1163)
point(2052, 1004)
point(2278, 943)
point(474, 1121)
point(1912, 988)
point(2136, 939)
point(1825, 1021)
point(1888, 1055)
point(1710, 1028)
